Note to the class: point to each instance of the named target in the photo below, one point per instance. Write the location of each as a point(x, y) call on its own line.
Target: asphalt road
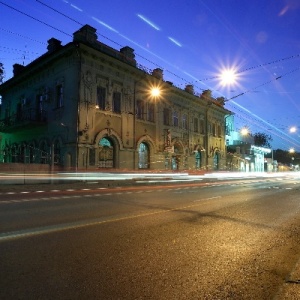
point(207, 240)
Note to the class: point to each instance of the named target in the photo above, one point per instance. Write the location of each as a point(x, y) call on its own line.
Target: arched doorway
point(106, 153)
point(217, 160)
point(144, 156)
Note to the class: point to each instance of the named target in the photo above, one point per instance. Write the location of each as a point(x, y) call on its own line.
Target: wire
point(23, 36)
point(265, 83)
point(25, 14)
point(59, 12)
point(200, 80)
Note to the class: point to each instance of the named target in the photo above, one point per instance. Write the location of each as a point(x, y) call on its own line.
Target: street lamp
point(244, 131)
point(292, 150)
point(153, 91)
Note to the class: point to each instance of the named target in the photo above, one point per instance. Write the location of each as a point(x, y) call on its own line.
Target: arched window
point(144, 156)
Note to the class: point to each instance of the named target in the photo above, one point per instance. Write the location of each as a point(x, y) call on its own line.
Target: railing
point(23, 118)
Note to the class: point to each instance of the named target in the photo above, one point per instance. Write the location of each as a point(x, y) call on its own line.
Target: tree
point(262, 140)
point(2, 73)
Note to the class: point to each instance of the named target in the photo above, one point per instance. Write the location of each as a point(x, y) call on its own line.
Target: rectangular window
point(184, 122)
point(117, 102)
point(59, 96)
point(39, 107)
point(166, 116)
point(151, 112)
point(209, 128)
point(219, 131)
point(214, 130)
point(202, 131)
point(101, 95)
point(140, 108)
point(175, 118)
point(196, 126)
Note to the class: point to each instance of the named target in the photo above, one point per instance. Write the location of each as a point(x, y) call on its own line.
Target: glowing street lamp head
point(228, 77)
point(292, 150)
point(293, 129)
point(155, 91)
point(244, 131)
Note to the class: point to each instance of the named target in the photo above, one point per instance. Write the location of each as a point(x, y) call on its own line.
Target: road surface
point(214, 239)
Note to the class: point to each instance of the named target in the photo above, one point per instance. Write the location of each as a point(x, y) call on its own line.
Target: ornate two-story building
point(86, 106)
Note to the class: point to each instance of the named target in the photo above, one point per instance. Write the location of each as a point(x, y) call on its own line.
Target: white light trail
point(175, 41)
point(104, 24)
point(148, 22)
point(76, 7)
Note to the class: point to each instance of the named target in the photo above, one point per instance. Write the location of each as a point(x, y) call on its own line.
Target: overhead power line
point(29, 16)
point(265, 83)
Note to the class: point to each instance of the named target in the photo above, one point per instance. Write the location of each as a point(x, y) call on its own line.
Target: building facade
point(87, 106)
point(242, 154)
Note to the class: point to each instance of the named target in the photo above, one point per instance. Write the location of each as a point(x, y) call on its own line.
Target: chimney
point(86, 34)
point(128, 55)
point(206, 94)
point(189, 88)
point(158, 73)
point(53, 45)
point(17, 69)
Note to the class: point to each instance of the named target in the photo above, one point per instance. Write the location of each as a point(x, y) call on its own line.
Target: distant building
point(242, 154)
point(87, 106)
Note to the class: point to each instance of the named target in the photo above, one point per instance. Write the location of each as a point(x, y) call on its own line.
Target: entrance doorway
point(144, 156)
point(106, 154)
point(217, 160)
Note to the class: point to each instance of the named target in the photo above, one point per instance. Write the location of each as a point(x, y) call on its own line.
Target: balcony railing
point(23, 119)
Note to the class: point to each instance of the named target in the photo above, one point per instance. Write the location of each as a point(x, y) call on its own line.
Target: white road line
point(211, 198)
point(82, 224)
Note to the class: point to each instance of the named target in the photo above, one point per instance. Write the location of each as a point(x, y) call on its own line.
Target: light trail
point(175, 41)
point(148, 22)
point(104, 24)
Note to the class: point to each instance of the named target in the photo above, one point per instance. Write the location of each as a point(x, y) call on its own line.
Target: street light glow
point(244, 131)
point(293, 129)
point(228, 77)
point(292, 150)
point(155, 91)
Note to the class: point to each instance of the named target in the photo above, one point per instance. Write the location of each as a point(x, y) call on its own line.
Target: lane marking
point(25, 233)
point(210, 198)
